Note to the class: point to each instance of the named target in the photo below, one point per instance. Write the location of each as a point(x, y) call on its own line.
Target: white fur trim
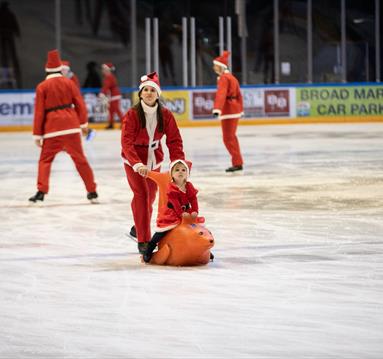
point(150, 83)
point(115, 98)
point(219, 64)
point(53, 75)
point(53, 69)
point(144, 78)
point(106, 67)
point(61, 133)
point(137, 166)
point(232, 115)
point(163, 229)
point(85, 125)
point(172, 164)
point(37, 137)
point(217, 111)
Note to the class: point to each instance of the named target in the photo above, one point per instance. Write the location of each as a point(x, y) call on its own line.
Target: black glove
point(215, 114)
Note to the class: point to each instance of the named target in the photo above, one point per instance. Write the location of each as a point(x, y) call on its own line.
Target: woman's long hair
point(141, 114)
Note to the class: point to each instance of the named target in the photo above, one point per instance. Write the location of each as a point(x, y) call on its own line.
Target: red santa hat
point(53, 63)
point(65, 64)
point(222, 60)
point(108, 66)
point(186, 163)
point(151, 80)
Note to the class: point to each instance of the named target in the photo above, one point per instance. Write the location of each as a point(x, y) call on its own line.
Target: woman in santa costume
point(110, 93)
point(228, 107)
point(143, 127)
point(60, 117)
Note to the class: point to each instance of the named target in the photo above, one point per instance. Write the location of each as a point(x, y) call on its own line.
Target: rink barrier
point(192, 107)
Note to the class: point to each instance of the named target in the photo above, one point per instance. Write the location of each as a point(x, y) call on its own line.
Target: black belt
point(61, 107)
point(231, 97)
point(185, 207)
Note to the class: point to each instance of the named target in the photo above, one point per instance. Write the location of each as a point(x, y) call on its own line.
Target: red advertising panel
point(277, 103)
point(202, 104)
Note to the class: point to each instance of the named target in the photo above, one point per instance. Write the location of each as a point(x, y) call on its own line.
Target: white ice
point(299, 253)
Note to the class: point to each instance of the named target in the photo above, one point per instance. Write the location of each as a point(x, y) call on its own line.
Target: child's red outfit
point(172, 206)
point(178, 203)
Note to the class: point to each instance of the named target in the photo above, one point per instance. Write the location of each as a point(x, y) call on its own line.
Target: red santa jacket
point(110, 87)
point(59, 108)
point(137, 145)
point(170, 215)
point(228, 99)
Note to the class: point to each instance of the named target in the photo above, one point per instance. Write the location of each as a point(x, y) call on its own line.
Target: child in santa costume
point(181, 201)
point(110, 93)
point(143, 127)
point(60, 117)
point(228, 107)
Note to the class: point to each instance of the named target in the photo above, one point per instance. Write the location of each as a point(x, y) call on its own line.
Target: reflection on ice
point(299, 253)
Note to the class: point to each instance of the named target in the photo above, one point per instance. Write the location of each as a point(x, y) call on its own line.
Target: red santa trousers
point(230, 140)
point(72, 145)
point(114, 108)
point(144, 194)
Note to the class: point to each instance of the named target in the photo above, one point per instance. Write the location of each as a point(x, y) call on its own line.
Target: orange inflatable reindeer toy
point(189, 243)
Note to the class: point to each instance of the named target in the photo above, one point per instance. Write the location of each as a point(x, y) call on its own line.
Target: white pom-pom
point(144, 78)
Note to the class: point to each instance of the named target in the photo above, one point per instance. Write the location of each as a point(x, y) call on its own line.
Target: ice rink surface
point(299, 253)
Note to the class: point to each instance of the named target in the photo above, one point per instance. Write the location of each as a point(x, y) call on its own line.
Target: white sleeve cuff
point(217, 111)
point(137, 166)
point(84, 125)
point(37, 137)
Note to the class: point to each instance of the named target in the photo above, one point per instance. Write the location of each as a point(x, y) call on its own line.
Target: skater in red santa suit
point(110, 93)
point(228, 107)
point(67, 72)
point(143, 127)
point(60, 117)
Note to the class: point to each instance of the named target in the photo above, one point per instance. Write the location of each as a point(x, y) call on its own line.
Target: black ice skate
point(133, 232)
point(38, 197)
point(234, 169)
point(92, 196)
point(142, 246)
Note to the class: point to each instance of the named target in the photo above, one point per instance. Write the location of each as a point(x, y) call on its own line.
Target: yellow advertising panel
point(176, 101)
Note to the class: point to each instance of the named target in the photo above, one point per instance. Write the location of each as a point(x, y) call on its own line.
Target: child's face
point(179, 173)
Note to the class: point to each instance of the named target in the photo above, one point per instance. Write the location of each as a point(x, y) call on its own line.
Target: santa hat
point(222, 60)
point(151, 80)
point(186, 163)
point(65, 64)
point(53, 63)
point(108, 66)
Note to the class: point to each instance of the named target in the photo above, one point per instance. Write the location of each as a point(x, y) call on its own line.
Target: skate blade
point(235, 173)
point(38, 204)
point(131, 237)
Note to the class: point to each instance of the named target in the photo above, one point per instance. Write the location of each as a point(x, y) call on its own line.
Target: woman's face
point(149, 95)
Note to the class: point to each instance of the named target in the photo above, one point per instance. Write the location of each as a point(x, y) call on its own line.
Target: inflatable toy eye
point(200, 233)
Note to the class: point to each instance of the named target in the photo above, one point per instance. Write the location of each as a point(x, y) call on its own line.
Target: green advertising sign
point(340, 101)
